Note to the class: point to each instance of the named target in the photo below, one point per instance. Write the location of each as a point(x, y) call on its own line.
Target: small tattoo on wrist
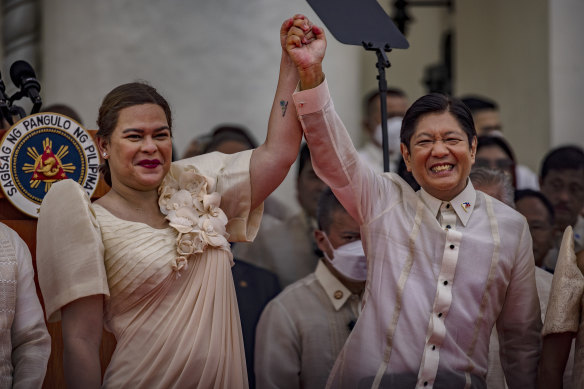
point(284, 106)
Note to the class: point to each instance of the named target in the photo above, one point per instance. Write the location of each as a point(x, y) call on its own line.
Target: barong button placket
point(436, 327)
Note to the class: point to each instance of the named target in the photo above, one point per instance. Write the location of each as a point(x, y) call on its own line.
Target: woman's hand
point(305, 44)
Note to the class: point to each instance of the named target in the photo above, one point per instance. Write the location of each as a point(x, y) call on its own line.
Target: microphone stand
point(35, 98)
point(381, 65)
point(365, 23)
point(4, 105)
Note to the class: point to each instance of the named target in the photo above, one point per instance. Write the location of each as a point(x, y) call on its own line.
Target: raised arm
point(305, 45)
point(271, 161)
point(333, 155)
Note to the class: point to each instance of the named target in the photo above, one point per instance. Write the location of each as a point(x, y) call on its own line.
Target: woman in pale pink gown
point(150, 260)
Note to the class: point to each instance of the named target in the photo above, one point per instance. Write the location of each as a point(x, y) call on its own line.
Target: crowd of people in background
point(302, 285)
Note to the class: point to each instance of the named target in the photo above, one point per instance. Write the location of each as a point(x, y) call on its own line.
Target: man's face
point(308, 189)
point(565, 190)
point(343, 229)
point(440, 157)
point(486, 121)
point(540, 226)
point(396, 107)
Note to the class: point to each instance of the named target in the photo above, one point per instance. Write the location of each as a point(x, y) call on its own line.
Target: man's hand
point(305, 44)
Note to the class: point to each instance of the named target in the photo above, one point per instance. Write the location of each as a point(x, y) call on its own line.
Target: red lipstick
point(149, 163)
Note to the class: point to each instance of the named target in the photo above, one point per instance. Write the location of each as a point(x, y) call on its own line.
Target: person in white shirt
point(444, 264)
point(25, 344)
point(301, 331)
point(539, 213)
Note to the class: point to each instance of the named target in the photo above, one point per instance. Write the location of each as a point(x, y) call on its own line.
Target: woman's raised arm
point(271, 161)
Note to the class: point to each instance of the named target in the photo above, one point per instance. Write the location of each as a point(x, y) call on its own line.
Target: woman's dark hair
point(436, 103)
point(124, 96)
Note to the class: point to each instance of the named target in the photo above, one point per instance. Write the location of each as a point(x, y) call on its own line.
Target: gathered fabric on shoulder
point(176, 322)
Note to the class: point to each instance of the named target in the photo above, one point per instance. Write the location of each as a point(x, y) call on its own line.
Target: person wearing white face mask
point(372, 150)
point(301, 331)
point(348, 261)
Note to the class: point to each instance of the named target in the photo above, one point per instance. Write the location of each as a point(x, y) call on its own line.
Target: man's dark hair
point(479, 103)
point(303, 156)
point(562, 158)
point(402, 171)
point(488, 140)
point(230, 132)
point(374, 95)
point(436, 103)
point(327, 205)
point(527, 193)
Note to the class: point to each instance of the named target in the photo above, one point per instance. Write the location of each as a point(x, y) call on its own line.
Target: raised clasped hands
point(305, 44)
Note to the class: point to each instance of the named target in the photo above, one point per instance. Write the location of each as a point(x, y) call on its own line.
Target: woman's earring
point(104, 154)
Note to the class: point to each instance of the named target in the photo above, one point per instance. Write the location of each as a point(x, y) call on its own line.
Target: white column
point(566, 64)
point(502, 52)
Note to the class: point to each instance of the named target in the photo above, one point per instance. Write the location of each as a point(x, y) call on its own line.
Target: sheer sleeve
point(563, 310)
point(229, 174)
point(70, 250)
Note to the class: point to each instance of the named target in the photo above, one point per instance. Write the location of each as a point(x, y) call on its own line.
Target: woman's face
point(440, 157)
point(493, 157)
point(139, 150)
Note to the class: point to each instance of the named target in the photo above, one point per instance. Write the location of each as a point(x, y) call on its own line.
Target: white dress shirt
point(302, 330)
point(433, 293)
point(525, 178)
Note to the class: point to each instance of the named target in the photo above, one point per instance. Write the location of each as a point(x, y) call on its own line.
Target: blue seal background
point(34, 139)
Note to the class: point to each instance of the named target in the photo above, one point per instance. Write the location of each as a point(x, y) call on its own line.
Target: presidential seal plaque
point(40, 150)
